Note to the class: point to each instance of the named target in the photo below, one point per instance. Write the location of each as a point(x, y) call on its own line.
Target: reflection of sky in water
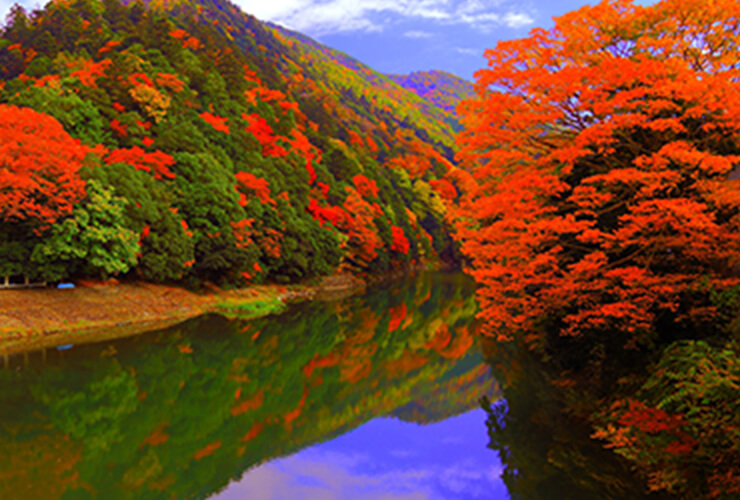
point(385, 459)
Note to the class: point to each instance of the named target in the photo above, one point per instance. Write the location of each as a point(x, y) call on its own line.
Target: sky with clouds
point(400, 36)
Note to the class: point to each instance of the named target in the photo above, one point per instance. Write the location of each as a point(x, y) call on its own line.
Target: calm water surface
point(390, 395)
point(368, 397)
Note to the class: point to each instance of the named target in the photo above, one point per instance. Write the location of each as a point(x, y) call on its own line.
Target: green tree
point(166, 248)
point(92, 242)
point(80, 118)
point(210, 205)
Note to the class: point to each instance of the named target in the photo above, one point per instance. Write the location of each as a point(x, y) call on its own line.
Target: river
point(373, 396)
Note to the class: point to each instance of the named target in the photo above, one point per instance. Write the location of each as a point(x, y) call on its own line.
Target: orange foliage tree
point(216, 122)
point(39, 167)
point(248, 183)
point(602, 149)
point(157, 163)
point(363, 241)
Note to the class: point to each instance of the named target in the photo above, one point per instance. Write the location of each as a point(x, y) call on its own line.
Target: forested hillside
point(184, 142)
point(443, 89)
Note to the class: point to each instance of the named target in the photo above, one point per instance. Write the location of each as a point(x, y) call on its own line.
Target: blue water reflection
point(385, 459)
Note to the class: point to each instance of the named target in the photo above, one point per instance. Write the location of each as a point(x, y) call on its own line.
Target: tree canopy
point(602, 150)
point(39, 167)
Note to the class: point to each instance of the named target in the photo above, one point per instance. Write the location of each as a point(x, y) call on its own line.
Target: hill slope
point(192, 142)
point(442, 89)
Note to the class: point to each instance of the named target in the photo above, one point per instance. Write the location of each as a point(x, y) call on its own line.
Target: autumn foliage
point(231, 149)
point(39, 167)
point(157, 163)
point(602, 149)
point(216, 122)
point(604, 225)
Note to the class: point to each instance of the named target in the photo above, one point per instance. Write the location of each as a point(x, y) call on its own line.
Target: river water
point(375, 396)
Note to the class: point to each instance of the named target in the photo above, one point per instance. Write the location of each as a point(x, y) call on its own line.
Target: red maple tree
point(39, 167)
point(602, 149)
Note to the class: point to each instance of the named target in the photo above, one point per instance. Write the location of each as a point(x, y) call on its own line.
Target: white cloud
point(517, 20)
point(6, 4)
point(317, 17)
point(417, 34)
point(403, 453)
point(4, 8)
point(469, 52)
point(320, 475)
point(324, 479)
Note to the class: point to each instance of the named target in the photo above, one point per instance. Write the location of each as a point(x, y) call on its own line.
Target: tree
point(92, 242)
point(80, 118)
point(682, 426)
point(604, 227)
point(39, 167)
point(166, 249)
point(602, 149)
point(39, 182)
point(210, 208)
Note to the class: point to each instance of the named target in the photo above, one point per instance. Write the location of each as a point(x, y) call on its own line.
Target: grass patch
point(251, 309)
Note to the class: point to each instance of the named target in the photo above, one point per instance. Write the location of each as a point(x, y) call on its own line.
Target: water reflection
point(546, 453)
point(183, 411)
point(386, 459)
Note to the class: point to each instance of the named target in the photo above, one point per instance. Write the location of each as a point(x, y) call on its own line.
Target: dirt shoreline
point(38, 318)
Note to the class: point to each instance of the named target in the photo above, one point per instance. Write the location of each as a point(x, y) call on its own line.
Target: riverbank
point(91, 312)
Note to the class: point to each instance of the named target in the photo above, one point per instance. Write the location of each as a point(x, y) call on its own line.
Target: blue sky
point(400, 36)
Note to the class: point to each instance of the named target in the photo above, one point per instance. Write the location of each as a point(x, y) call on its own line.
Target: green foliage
point(681, 426)
point(81, 118)
point(342, 166)
point(16, 251)
point(693, 376)
point(109, 391)
point(428, 200)
point(210, 204)
point(251, 309)
point(92, 242)
point(725, 301)
point(166, 248)
point(309, 250)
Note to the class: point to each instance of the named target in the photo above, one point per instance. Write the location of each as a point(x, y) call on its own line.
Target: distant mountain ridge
point(443, 89)
point(280, 52)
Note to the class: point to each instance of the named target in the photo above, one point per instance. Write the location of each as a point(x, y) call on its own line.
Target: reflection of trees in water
point(453, 396)
point(671, 411)
point(180, 412)
point(547, 452)
point(679, 420)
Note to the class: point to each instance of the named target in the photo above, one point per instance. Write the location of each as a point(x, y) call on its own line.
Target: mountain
point(192, 142)
point(453, 395)
point(442, 89)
